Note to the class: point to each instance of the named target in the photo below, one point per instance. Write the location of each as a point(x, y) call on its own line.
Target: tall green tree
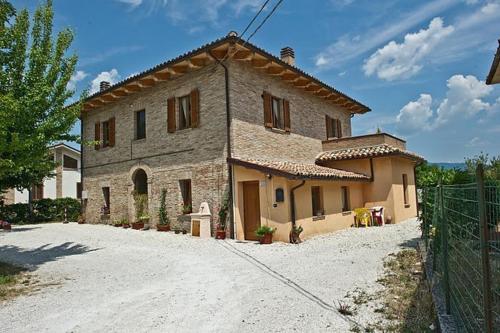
point(34, 72)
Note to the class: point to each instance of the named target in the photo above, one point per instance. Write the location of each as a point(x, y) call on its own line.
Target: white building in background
point(66, 181)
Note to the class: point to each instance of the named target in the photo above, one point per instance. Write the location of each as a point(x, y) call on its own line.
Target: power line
point(264, 21)
point(254, 18)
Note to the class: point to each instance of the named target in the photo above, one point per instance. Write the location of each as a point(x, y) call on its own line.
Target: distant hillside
point(448, 165)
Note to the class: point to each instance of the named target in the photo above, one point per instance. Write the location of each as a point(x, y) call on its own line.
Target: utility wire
point(254, 18)
point(264, 21)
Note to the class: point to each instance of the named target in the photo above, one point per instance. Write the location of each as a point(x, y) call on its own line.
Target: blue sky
point(419, 65)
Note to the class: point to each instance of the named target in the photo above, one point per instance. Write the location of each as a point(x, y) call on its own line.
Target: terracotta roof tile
point(298, 170)
point(365, 152)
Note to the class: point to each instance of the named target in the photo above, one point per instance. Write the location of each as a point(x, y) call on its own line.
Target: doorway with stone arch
point(140, 193)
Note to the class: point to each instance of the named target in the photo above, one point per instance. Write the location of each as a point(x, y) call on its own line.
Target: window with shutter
point(286, 115)
point(195, 108)
point(140, 125)
point(112, 132)
point(333, 128)
point(105, 134)
point(97, 136)
point(171, 123)
point(268, 116)
point(317, 201)
point(184, 116)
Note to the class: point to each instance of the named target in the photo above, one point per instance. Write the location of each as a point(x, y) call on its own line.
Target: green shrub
point(162, 212)
point(263, 230)
point(44, 210)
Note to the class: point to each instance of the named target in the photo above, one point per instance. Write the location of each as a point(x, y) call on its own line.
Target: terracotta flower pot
point(7, 226)
point(184, 232)
point(163, 227)
point(118, 225)
point(126, 225)
point(266, 239)
point(138, 225)
point(177, 232)
point(81, 222)
point(220, 234)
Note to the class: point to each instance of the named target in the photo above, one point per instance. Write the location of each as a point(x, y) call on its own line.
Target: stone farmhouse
point(230, 118)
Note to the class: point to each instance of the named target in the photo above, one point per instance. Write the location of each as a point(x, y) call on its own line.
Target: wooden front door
point(251, 208)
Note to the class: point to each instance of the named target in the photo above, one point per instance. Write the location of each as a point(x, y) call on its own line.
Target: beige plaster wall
point(279, 217)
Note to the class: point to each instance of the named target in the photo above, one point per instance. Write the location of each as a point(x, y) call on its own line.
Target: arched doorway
point(140, 182)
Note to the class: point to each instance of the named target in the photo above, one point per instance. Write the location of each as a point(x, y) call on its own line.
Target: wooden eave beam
point(161, 76)
point(147, 82)
point(302, 83)
point(275, 70)
point(288, 76)
point(322, 92)
point(134, 87)
point(313, 88)
point(243, 55)
point(197, 62)
point(180, 69)
point(219, 54)
point(109, 98)
point(260, 63)
point(120, 93)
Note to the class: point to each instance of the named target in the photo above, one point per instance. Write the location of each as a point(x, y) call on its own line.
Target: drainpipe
point(228, 139)
point(292, 201)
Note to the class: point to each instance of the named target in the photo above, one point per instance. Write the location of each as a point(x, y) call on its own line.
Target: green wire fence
point(461, 230)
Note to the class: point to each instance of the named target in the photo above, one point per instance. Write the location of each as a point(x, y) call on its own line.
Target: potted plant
point(81, 219)
point(141, 202)
point(177, 230)
point(187, 209)
point(265, 234)
point(5, 225)
point(295, 234)
point(164, 221)
point(142, 220)
point(184, 231)
point(220, 232)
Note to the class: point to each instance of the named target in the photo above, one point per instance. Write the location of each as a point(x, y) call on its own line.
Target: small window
point(280, 195)
point(405, 189)
point(333, 128)
point(187, 201)
point(346, 206)
point(79, 190)
point(37, 192)
point(105, 210)
point(278, 114)
point(70, 162)
point(140, 125)
point(105, 134)
point(184, 112)
point(317, 201)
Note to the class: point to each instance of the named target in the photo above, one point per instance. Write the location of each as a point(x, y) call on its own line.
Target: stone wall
point(197, 154)
point(307, 114)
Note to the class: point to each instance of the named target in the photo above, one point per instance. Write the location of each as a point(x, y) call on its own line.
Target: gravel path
point(115, 280)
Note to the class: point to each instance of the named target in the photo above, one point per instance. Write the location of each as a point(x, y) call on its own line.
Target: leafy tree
point(429, 175)
point(34, 73)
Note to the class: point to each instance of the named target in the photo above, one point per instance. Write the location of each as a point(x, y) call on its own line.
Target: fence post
point(483, 227)
point(444, 248)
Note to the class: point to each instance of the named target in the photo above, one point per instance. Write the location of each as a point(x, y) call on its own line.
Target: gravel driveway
point(115, 280)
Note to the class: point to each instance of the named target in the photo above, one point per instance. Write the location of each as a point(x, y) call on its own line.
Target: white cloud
point(192, 13)
point(401, 61)
point(476, 142)
point(415, 115)
point(75, 78)
point(463, 99)
point(132, 3)
point(348, 47)
point(112, 77)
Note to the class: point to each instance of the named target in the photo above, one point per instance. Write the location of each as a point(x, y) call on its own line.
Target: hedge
point(44, 210)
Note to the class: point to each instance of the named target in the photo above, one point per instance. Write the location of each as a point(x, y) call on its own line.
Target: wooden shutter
point(286, 115)
point(195, 108)
point(97, 136)
point(268, 114)
point(339, 128)
point(111, 136)
point(171, 115)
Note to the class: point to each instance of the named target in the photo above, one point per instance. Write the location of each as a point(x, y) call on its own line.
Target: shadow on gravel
point(33, 258)
point(410, 243)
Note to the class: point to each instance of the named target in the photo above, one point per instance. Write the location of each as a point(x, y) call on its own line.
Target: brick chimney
point(288, 55)
point(104, 85)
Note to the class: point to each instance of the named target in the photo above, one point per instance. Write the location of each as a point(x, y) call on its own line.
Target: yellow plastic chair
point(362, 217)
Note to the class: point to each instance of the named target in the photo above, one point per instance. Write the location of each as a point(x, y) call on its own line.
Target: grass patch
point(14, 281)
point(407, 301)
